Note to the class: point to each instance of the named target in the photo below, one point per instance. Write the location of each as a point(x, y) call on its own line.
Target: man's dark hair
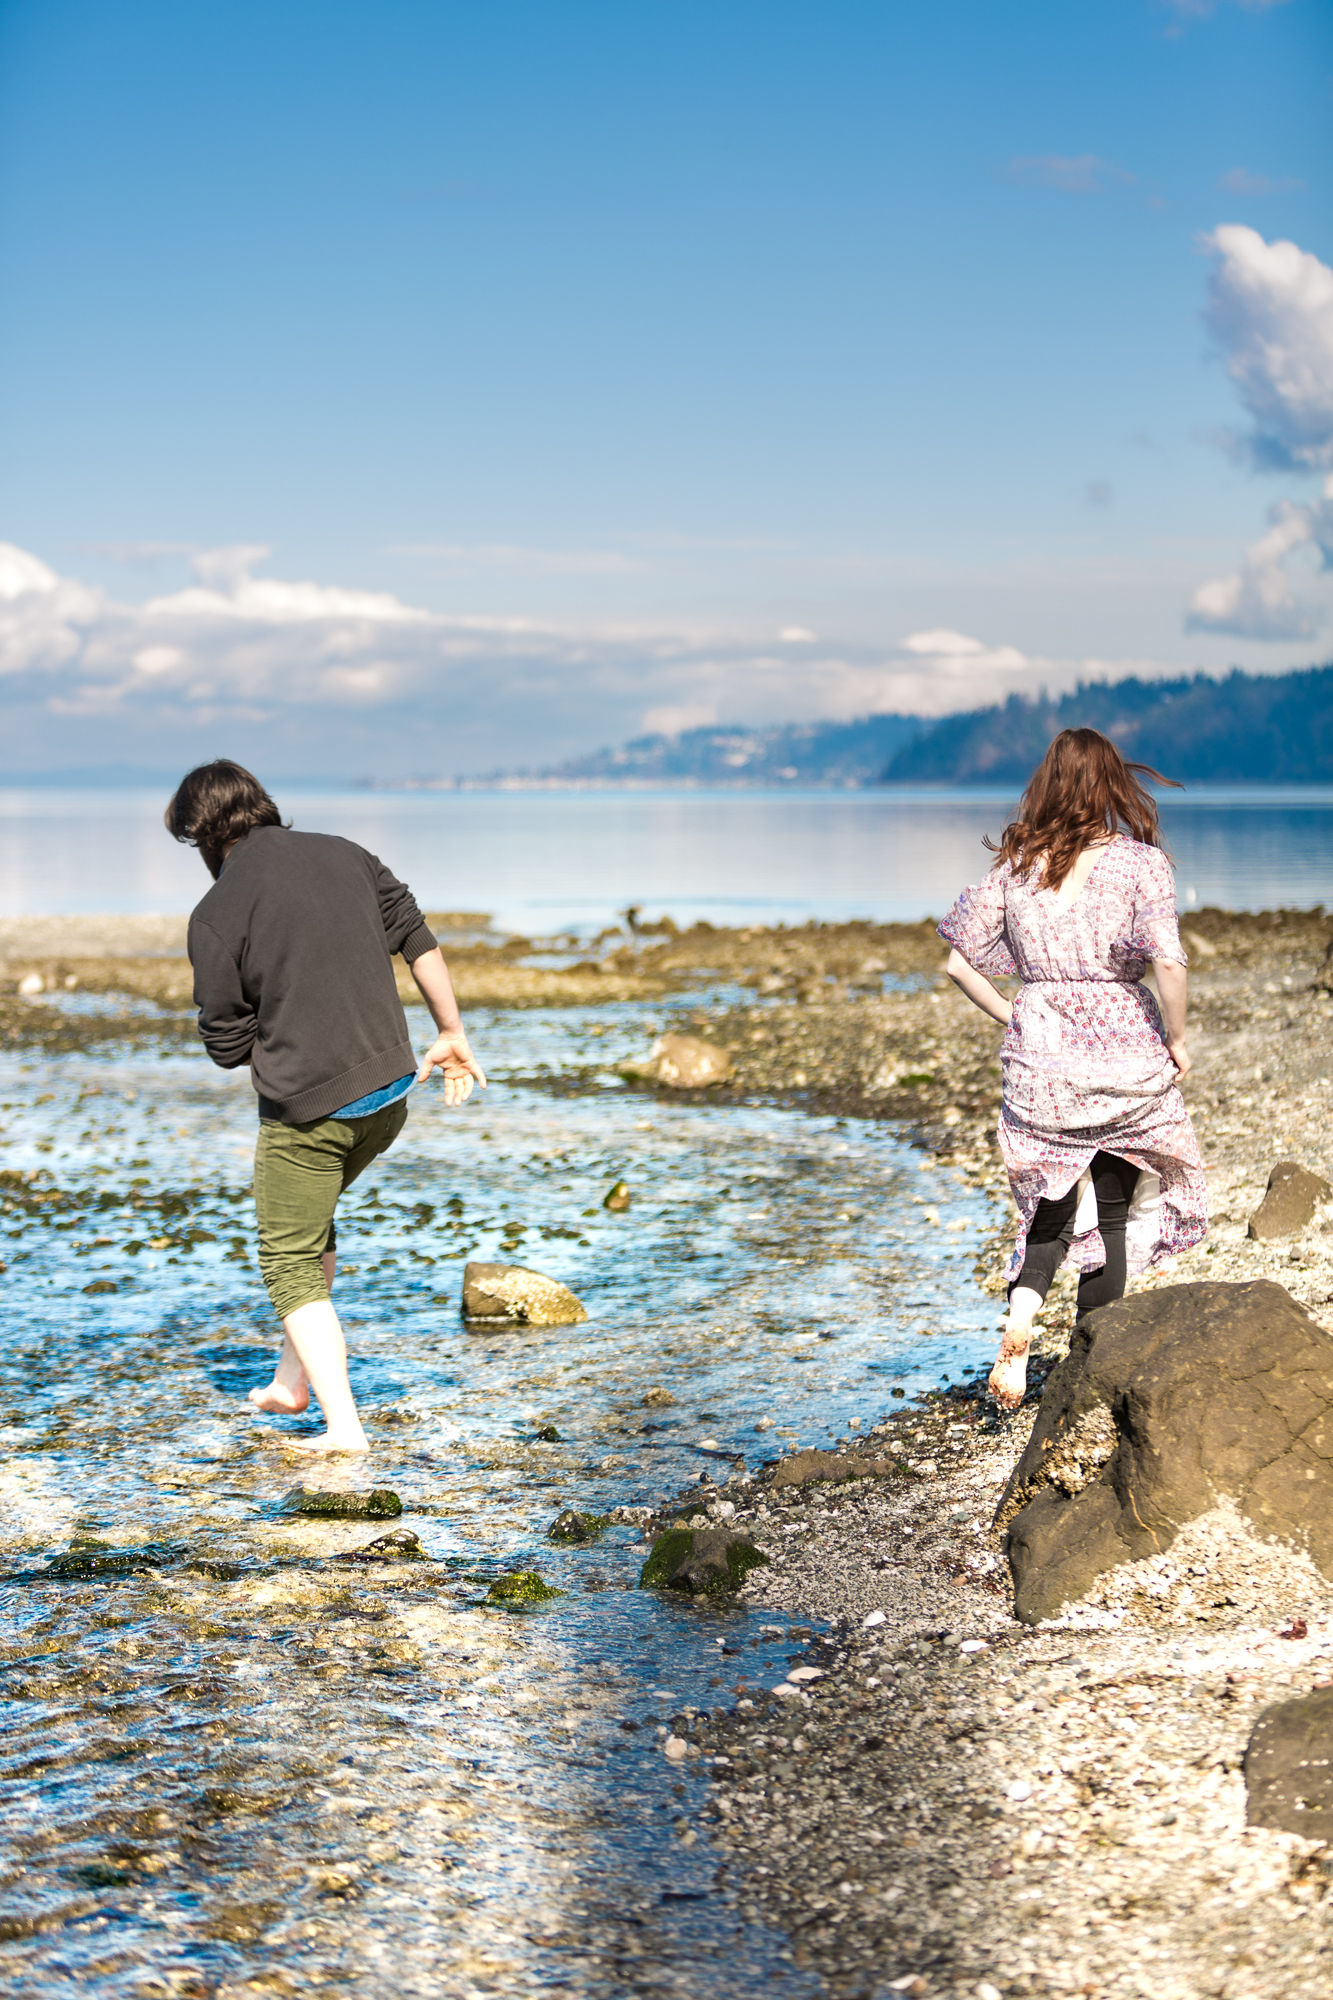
point(215, 805)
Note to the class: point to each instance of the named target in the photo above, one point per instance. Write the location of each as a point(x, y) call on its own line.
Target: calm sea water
point(548, 861)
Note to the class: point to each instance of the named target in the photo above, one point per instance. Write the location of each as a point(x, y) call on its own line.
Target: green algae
point(574, 1526)
point(718, 1568)
point(522, 1586)
point(380, 1503)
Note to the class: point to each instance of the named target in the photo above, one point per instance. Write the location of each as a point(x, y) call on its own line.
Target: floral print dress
point(1084, 1061)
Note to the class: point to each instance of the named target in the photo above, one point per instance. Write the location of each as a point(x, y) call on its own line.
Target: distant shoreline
point(1202, 792)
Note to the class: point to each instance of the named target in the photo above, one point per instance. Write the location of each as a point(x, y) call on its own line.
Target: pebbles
point(986, 1810)
point(998, 1797)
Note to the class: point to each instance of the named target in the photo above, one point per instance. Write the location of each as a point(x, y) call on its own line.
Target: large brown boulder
point(1166, 1402)
point(1293, 1197)
point(1289, 1767)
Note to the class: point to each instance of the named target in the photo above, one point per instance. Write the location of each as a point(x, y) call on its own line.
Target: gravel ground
point(945, 1802)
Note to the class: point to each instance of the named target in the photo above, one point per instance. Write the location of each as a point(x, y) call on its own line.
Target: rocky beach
point(940, 1800)
point(925, 1795)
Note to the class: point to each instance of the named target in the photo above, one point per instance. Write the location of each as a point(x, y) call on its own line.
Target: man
point(292, 951)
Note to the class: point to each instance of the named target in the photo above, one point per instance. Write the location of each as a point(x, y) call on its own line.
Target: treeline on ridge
point(1244, 729)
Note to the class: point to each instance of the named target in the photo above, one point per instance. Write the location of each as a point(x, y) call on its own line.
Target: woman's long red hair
point(1082, 790)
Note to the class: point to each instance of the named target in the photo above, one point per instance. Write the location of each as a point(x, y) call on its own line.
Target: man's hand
point(456, 1064)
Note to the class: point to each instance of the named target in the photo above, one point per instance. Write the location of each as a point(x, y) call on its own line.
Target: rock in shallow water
point(572, 1526)
point(522, 1586)
point(379, 1503)
point(399, 1545)
point(512, 1292)
point(683, 1062)
point(1165, 1402)
point(1289, 1767)
point(1293, 1196)
point(705, 1562)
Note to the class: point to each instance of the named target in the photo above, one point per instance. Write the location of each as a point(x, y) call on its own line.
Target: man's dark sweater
point(292, 951)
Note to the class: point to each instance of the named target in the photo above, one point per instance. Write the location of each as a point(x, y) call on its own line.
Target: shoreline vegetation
point(949, 1803)
point(1236, 729)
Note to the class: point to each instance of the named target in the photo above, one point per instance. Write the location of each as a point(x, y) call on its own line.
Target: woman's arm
point(450, 1053)
point(978, 989)
point(1171, 982)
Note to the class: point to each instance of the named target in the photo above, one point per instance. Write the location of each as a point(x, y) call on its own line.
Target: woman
point(1078, 903)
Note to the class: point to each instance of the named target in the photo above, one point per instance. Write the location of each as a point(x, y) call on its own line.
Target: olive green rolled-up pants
point(300, 1171)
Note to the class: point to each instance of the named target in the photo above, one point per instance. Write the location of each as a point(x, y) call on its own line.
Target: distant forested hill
point(1260, 729)
point(812, 753)
point(1247, 729)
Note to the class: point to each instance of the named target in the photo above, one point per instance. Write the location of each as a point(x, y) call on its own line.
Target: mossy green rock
point(573, 1526)
point(522, 1586)
point(399, 1545)
point(380, 1504)
point(705, 1562)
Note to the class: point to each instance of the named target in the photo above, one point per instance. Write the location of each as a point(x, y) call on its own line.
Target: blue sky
point(557, 360)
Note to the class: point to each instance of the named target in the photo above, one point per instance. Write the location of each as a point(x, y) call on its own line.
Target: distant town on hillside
point(1243, 729)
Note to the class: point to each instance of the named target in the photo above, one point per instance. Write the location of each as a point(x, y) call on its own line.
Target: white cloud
point(1258, 601)
point(42, 615)
point(1270, 309)
point(306, 677)
point(1084, 174)
point(226, 589)
point(955, 653)
point(21, 573)
point(796, 635)
point(1241, 181)
point(137, 555)
point(158, 659)
point(507, 558)
point(674, 720)
point(1201, 10)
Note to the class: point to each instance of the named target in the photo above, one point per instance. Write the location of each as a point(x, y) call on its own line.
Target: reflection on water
point(237, 1752)
point(542, 861)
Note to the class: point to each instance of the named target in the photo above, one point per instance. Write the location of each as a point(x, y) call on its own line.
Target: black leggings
point(1052, 1232)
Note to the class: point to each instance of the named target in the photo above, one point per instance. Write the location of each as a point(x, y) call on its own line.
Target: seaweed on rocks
point(520, 1587)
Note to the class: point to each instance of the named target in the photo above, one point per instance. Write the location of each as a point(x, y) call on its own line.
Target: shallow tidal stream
point(238, 1759)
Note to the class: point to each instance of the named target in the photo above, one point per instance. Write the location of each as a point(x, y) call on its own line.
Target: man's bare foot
point(277, 1401)
point(1009, 1377)
point(330, 1441)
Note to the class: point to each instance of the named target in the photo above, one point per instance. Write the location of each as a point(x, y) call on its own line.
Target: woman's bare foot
point(330, 1441)
point(288, 1394)
point(276, 1400)
point(1009, 1377)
